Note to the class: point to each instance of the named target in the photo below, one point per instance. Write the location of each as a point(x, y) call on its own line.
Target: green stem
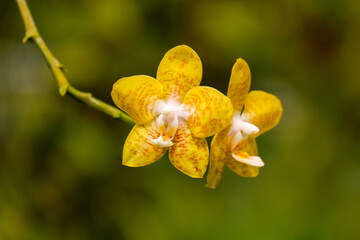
point(31, 32)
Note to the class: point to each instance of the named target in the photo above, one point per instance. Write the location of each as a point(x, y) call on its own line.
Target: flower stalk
point(65, 88)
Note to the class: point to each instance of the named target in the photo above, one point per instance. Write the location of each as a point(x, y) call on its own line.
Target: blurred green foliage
point(60, 163)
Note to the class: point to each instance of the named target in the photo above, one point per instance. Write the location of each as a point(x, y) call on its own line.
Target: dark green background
point(60, 162)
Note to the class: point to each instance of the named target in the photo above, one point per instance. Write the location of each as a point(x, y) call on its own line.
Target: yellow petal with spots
point(262, 109)
point(251, 147)
point(241, 169)
point(220, 151)
point(239, 84)
point(209, 110)
point(189, 154)
point(136, 96)
point(139, 150)
point(179, 71)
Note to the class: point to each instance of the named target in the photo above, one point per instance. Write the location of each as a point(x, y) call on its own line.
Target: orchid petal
point(139, 149)
point(242, 169)
point(220, 151)
point(137, 96)
point(262, 109)
point(189, 154)
point(179, 71)
point(209, 110)
point(239, 84)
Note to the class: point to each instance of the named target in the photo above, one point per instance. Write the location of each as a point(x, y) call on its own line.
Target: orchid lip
point(160, 142)
point(240, 130)
point(253, 161)
point(167, 120)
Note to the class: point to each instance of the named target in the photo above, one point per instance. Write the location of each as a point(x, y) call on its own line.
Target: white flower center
point(167, 120)
point(240, 130)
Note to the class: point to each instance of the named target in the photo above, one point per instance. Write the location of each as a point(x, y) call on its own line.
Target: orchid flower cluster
point(173, 112)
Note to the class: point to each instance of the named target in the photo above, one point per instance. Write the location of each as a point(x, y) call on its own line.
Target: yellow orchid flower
point(254, 113)
point(172, 112)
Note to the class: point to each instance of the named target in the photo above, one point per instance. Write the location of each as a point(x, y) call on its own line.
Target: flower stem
point(32, 33)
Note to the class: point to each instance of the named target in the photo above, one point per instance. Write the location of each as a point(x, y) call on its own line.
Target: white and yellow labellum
point(239, 133)
point(245, 158)
point(167, 120)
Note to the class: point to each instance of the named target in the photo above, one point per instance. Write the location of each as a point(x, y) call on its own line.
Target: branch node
point(59, 65)
point(63, 90)
point(29, 34)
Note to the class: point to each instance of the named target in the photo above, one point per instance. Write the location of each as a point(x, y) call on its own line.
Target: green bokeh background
point(60, 162)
